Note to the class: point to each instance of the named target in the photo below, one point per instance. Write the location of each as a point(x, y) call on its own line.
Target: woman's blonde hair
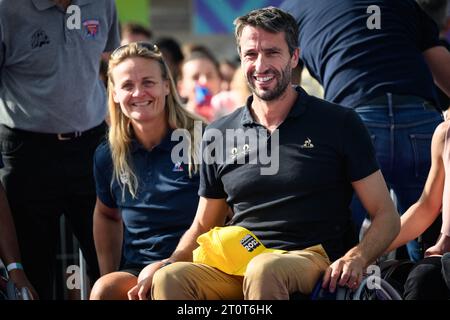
point(121, 132)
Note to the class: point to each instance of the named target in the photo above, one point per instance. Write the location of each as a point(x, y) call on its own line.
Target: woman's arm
point(422, 214)
point(108, 237)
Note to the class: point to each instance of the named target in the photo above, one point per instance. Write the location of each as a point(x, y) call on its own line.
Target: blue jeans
point(401, 129)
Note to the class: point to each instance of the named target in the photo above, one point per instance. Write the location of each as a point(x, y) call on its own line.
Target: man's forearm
point(187, 245)
point(382, 231)
point(210, 213)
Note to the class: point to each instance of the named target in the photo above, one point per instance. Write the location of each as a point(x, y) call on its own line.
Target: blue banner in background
point(217, 16)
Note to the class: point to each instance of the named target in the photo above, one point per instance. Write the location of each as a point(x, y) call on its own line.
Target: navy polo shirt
point(356, 64)
point(165, 205)
point(322, 148)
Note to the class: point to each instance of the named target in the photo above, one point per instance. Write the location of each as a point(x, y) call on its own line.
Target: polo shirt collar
point(82, 2)
point(46, 4)
point(166, 143)
point(300, 104)
point(297, 109)
point(43, 4)
point(247, 118)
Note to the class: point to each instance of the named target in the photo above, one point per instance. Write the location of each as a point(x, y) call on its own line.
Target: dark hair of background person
point(172, 46)
point(198, 51)
point(135, 28)
point(171, 50)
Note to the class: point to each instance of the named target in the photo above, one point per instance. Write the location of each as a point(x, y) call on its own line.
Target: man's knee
point(262, 279)
point(262, 266)
point(282, 275)
point(168, 282)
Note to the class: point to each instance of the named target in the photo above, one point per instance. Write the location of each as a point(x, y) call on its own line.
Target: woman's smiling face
point(140, 89)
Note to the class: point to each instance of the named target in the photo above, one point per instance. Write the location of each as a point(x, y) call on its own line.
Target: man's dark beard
point(274, 94)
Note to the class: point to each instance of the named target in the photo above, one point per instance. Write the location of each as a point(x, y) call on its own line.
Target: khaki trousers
point(269, 276)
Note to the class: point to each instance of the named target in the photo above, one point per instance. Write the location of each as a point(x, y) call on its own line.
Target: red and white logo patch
point(91, 27)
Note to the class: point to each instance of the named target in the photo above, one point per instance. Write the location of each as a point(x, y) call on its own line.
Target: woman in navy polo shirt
point(146, 199)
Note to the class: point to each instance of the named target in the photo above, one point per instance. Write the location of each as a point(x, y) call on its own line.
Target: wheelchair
point(9, 291)
point(388, 285)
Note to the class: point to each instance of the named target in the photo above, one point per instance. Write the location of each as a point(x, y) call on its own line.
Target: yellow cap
point(229, 249)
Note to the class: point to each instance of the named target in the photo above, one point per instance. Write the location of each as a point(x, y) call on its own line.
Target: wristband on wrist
point(13, 266)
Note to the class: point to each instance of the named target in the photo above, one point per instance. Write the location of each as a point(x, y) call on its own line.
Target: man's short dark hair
point(270, 19)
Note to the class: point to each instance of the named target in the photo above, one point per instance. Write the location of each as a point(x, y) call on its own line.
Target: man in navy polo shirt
point(52, 111)
point(324, 154)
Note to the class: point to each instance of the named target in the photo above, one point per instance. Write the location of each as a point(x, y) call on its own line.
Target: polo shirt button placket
point(150, 165)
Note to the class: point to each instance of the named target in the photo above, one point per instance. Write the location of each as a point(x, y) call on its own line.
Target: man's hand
point(141, 291)
point(346, 271)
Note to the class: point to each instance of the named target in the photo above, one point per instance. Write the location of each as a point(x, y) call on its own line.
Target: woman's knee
point(113, 286)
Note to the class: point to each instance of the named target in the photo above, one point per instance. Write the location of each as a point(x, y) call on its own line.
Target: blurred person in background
point(199, 81)
point(227, 70)
point(226, 102)
point(172, 53)
point(131, 32)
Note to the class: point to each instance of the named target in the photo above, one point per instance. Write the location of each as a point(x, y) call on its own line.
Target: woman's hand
point(442, 246)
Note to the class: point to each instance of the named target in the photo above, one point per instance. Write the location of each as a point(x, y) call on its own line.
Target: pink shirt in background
point(445, 230)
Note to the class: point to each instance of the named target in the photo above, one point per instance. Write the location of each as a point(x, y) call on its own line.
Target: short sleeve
point(103, 173)
point(428, 31)
point(113, 34)
point(210, 184)
point(359, 153)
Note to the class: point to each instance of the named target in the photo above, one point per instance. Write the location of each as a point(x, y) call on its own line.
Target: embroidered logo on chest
point(307, 144)
point(39, 38)
point(91, 28)
point(177, 167)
